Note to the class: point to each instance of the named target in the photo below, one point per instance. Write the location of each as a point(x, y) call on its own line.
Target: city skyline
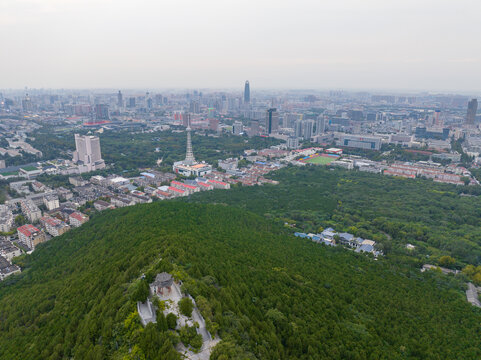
point(340, 45)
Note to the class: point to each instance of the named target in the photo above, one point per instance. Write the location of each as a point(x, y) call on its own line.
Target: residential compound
point(51, 201)
point(76, 219)
point(54, 226)
point(30, 210)
point(6, 219)
point(30, 236)
point(437, 173)
point(332, 238)
point(7, 269)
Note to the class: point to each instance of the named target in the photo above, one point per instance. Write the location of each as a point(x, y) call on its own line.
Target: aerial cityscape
point(242, 193)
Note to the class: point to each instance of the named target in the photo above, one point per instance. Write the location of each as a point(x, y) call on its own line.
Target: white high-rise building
point(321, 125)
point(87, 154)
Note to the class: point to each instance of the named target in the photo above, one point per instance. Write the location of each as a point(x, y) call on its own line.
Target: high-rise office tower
point(437, 120)
point(471, 114)
point(27, 104)
point(120, 100)
point(307, 127)
point(254, 128)
point(194, 107)
point(272, 121)
point(298, 128)
point(87, 153)
point(186, 120)
point(131, 102)
point(102, 112)
point(247, 92)
point(320, 125)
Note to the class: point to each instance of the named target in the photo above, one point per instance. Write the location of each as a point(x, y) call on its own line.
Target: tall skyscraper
point(471, 114)
point(298, 128)
point(247, 92)
point(320, 125)
point(272, 121)
point(120, 100)
point(307, 127)
point(27, 104)
point(437, 119)
point(131, 102)
point(87, 153)
point(194, 107)
point(186, 120)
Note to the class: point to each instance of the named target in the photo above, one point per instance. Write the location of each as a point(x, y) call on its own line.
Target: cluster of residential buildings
point(7, 252)
point(332, 238)
point(444, 174)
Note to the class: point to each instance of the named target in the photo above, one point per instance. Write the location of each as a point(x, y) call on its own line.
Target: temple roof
point(163, 280)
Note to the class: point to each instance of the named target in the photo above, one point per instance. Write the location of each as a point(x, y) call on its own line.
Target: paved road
point(472, 295)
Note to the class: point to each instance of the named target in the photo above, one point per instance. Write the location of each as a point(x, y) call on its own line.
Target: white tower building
point(87, 154)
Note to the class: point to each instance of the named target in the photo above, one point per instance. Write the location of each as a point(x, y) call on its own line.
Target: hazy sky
point(370, 44)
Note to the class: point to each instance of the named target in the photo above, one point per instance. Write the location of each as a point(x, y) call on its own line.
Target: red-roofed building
point(77, 218)
point(54, 227)
point(182, 186)
point(163, 194)
point(30, 235)
point(177, 192)
point(219, 184)
point(205, 186)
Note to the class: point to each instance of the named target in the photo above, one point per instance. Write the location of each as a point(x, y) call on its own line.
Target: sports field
point(322, 160)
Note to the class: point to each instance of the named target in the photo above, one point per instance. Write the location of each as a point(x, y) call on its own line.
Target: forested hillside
point(392, 211)
point(270, 295)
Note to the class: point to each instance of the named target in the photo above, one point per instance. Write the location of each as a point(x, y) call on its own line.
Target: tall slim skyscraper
point(437, 120)
point(27, 104)
point(120, 100)
point(247, 92)
point(321, 125)
point(87, 153)
point(471, 114)
point(272, 121)
point(186, 119)
point(298, 128)
point(307, 127)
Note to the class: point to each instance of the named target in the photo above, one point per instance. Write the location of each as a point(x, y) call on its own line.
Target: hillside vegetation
point(392, 211)
point(269, 295)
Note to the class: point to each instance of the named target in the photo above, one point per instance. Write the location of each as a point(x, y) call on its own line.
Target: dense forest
point(268, 294)
point(438, 218)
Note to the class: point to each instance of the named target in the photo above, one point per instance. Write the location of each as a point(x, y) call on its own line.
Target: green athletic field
point(322, 160)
